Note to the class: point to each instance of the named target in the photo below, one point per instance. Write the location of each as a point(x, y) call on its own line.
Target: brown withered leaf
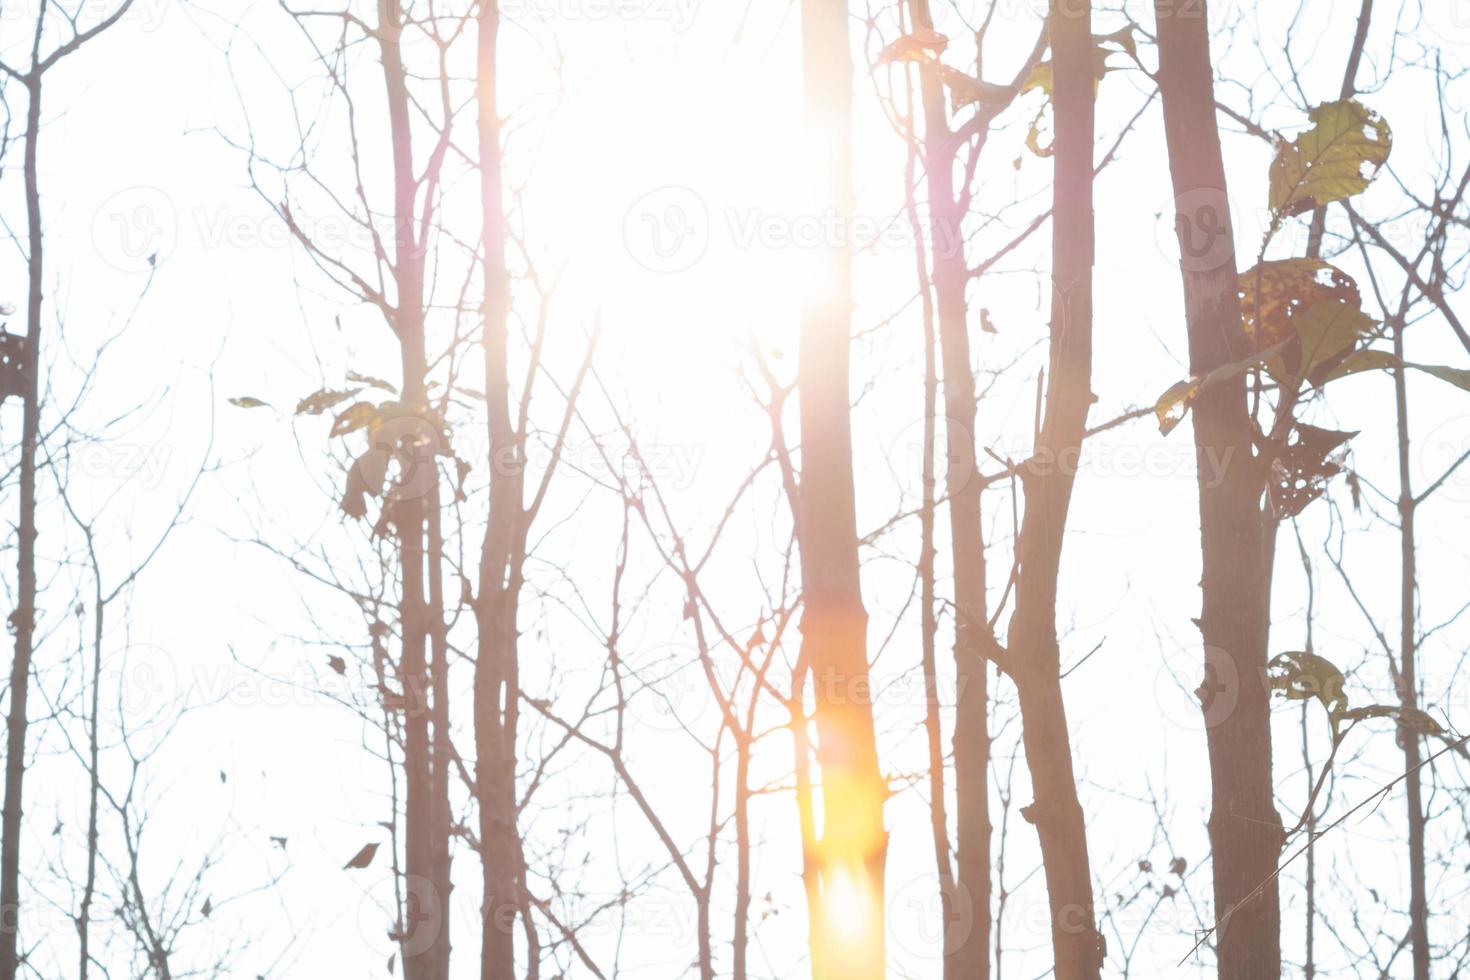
point(362, 858)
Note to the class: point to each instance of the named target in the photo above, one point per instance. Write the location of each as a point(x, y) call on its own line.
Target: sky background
point(658, 178)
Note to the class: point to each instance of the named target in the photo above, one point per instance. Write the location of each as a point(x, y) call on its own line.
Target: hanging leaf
point(1174, 404)
point(364, 478)
point(1273, 294)
point(1335, 159)
point(356, 417)
point(319, 401)
point(1300, 474)
point(1328, 333)
point(1366, 359)
point(1459, 377)
point(1412, 720)
point(337, 664)
point(245, 401)
point(1369, 359)
point(919, 47)
point(371, 382)
point(362, 858)
point(1043, 77)
point(1303, 676)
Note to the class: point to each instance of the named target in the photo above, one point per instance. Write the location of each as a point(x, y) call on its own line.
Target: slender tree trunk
point(967, 950)
point(94, 775)
point(23, 618)
point(741, 939)
point(929, 624)
point(425, 934)
point(1408, 679)
point(441, 751)
point(1034, 652)
point(496, 682)
point(1245, 829)
point(847, 938)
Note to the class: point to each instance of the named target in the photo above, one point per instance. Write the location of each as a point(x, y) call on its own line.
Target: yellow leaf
point(1337, 158)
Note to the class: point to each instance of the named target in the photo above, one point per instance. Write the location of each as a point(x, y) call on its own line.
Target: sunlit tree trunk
point(847, 934)
point(1245, 829)
point(1033, 649)
point(502, 555)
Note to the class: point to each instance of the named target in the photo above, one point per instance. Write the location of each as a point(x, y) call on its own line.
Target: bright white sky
point(670, 116)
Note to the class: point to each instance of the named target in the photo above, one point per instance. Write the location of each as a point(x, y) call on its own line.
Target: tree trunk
point(501, 559)
point(1408, 679)
point(967, 925)
point(1033, 650)
point(1245, 829)
point(847, 938)
point(425, 929)
point(23, 618)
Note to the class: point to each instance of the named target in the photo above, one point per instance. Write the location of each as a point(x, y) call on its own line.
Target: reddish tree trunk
point(1245, 829)
point(853, 843)
point(1033, 650)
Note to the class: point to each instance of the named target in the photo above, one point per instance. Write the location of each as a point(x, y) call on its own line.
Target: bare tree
point(23, 357)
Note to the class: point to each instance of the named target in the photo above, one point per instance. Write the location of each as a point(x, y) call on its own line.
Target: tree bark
point(1408, 669)
point(1245, 829)
point(847, 937)
point(967, 936)
point(23, 618)
point(425, 931)
point(1033, 649)
point(502, 555)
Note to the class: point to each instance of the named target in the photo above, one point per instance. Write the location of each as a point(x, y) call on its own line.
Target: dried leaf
point(362, 858)
point(319, 401)
point(371, 382)
point(357, 416)
point(919, 47)
point(1274, 294)
point(1300, 474)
